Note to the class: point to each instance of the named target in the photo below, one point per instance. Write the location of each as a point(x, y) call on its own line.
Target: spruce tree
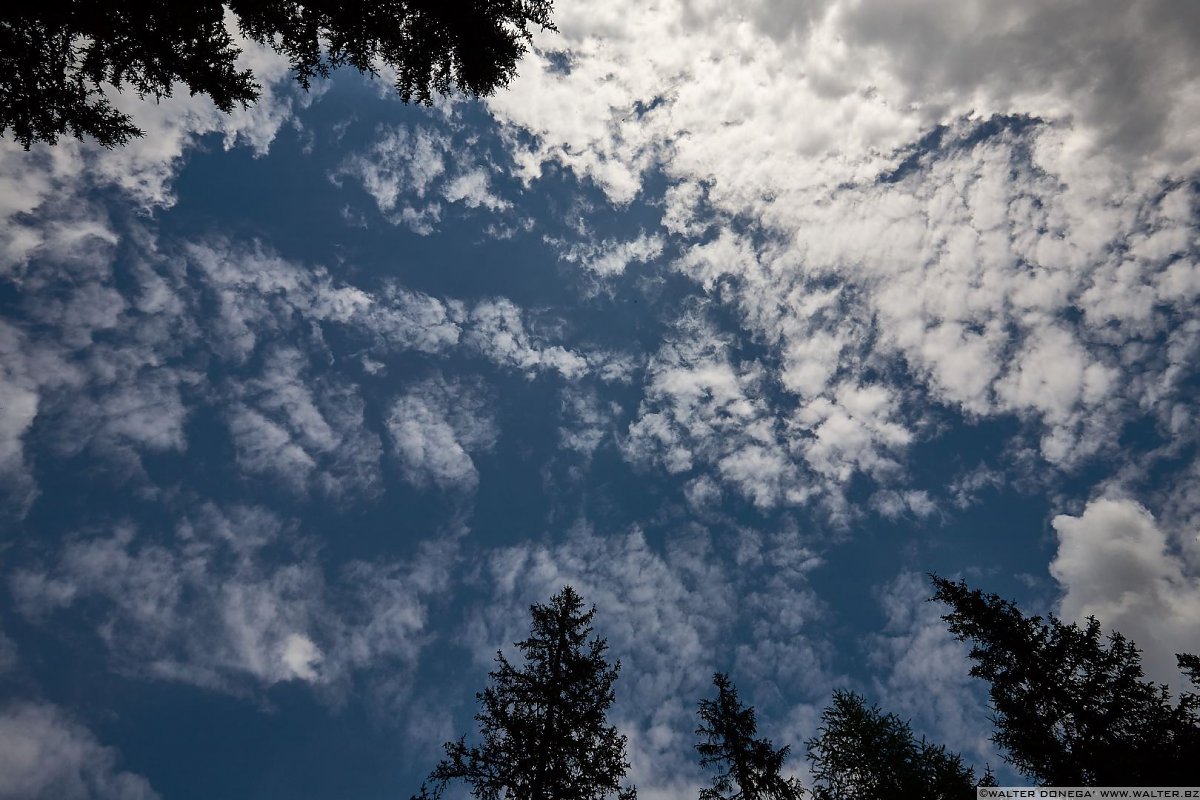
point(861, 753)
point(1071, 706)
point(543, 726)
point(741, 760)
point(61, 59)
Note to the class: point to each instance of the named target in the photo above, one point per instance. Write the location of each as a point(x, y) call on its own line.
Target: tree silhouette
point(57, 56)
point(543, 727)
point(1070, 708)
point(730, 747)
point(861, 753)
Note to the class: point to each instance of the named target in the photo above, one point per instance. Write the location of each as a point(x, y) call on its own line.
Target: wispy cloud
point(44, 753)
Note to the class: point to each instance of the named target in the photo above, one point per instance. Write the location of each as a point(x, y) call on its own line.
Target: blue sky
point(739, 321)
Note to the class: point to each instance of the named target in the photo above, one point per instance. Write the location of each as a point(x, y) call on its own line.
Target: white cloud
point(436, 427)
point(144, 168)
point(1115, 562)
point(406, 171)
point(852, 432)
point(1013, 266)
point(473, 190)
point(780, 94)
point(402, 164)
point(121, 359)
point(925, 671)
point(586, 422)
point(214, 604)
point(301, 656)
point(304, 430)
point(44, 755)
point(610, 257)
point(19, 401)
point(703, 411)
point(259, 293)
point(498, 331)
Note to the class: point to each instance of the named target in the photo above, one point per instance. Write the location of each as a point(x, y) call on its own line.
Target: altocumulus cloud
point(210, 605)
point(435, 429)
point(902, 229)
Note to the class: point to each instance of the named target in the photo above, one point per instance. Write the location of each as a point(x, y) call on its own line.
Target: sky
point(739, 318)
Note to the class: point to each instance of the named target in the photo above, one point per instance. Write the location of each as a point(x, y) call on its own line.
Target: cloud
point(586, 422)
point(53, 177)
point(610, 257)
point(235, 600)
point(19, 401)
point(701, 409)
point(125, 349)
point(925, 671)
point(1115, 562)
point(410, 171)
point(672, 615)
point(498, 331)
point(436, 427)
point(305, 430)
point(44, 754)
point(399, 165)
point(777, 94)
point(1125, 71)
point(991, 204)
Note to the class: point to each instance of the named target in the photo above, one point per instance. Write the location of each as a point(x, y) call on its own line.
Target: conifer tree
point(861, 753)
point(741, 760)
point(1071, 706)
point(543, 726)
point(61, 59)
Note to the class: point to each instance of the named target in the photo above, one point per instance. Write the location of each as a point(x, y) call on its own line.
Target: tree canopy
point(58, 57)
point(1071, 706)
point(728, 746)
point(543, 725)
point(861, 753)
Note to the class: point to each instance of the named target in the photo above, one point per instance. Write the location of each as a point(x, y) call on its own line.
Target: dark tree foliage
point(1071, 707)
point(56, 56)
point(543, 725)
point(730, 748)
point(861, 753)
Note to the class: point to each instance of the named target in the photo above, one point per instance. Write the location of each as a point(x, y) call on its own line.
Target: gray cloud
point(44, 755)
point(1126, 69)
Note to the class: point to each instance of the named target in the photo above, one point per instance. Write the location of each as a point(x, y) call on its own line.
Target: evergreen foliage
point(740, 760)
point(1071, 707)
point(861, 753)
point(543, 726)
point(57, 56)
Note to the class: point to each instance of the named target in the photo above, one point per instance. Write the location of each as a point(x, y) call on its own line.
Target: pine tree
point(729, 746)
point(1070, 708)
point(861, 753)
point(543, 725)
